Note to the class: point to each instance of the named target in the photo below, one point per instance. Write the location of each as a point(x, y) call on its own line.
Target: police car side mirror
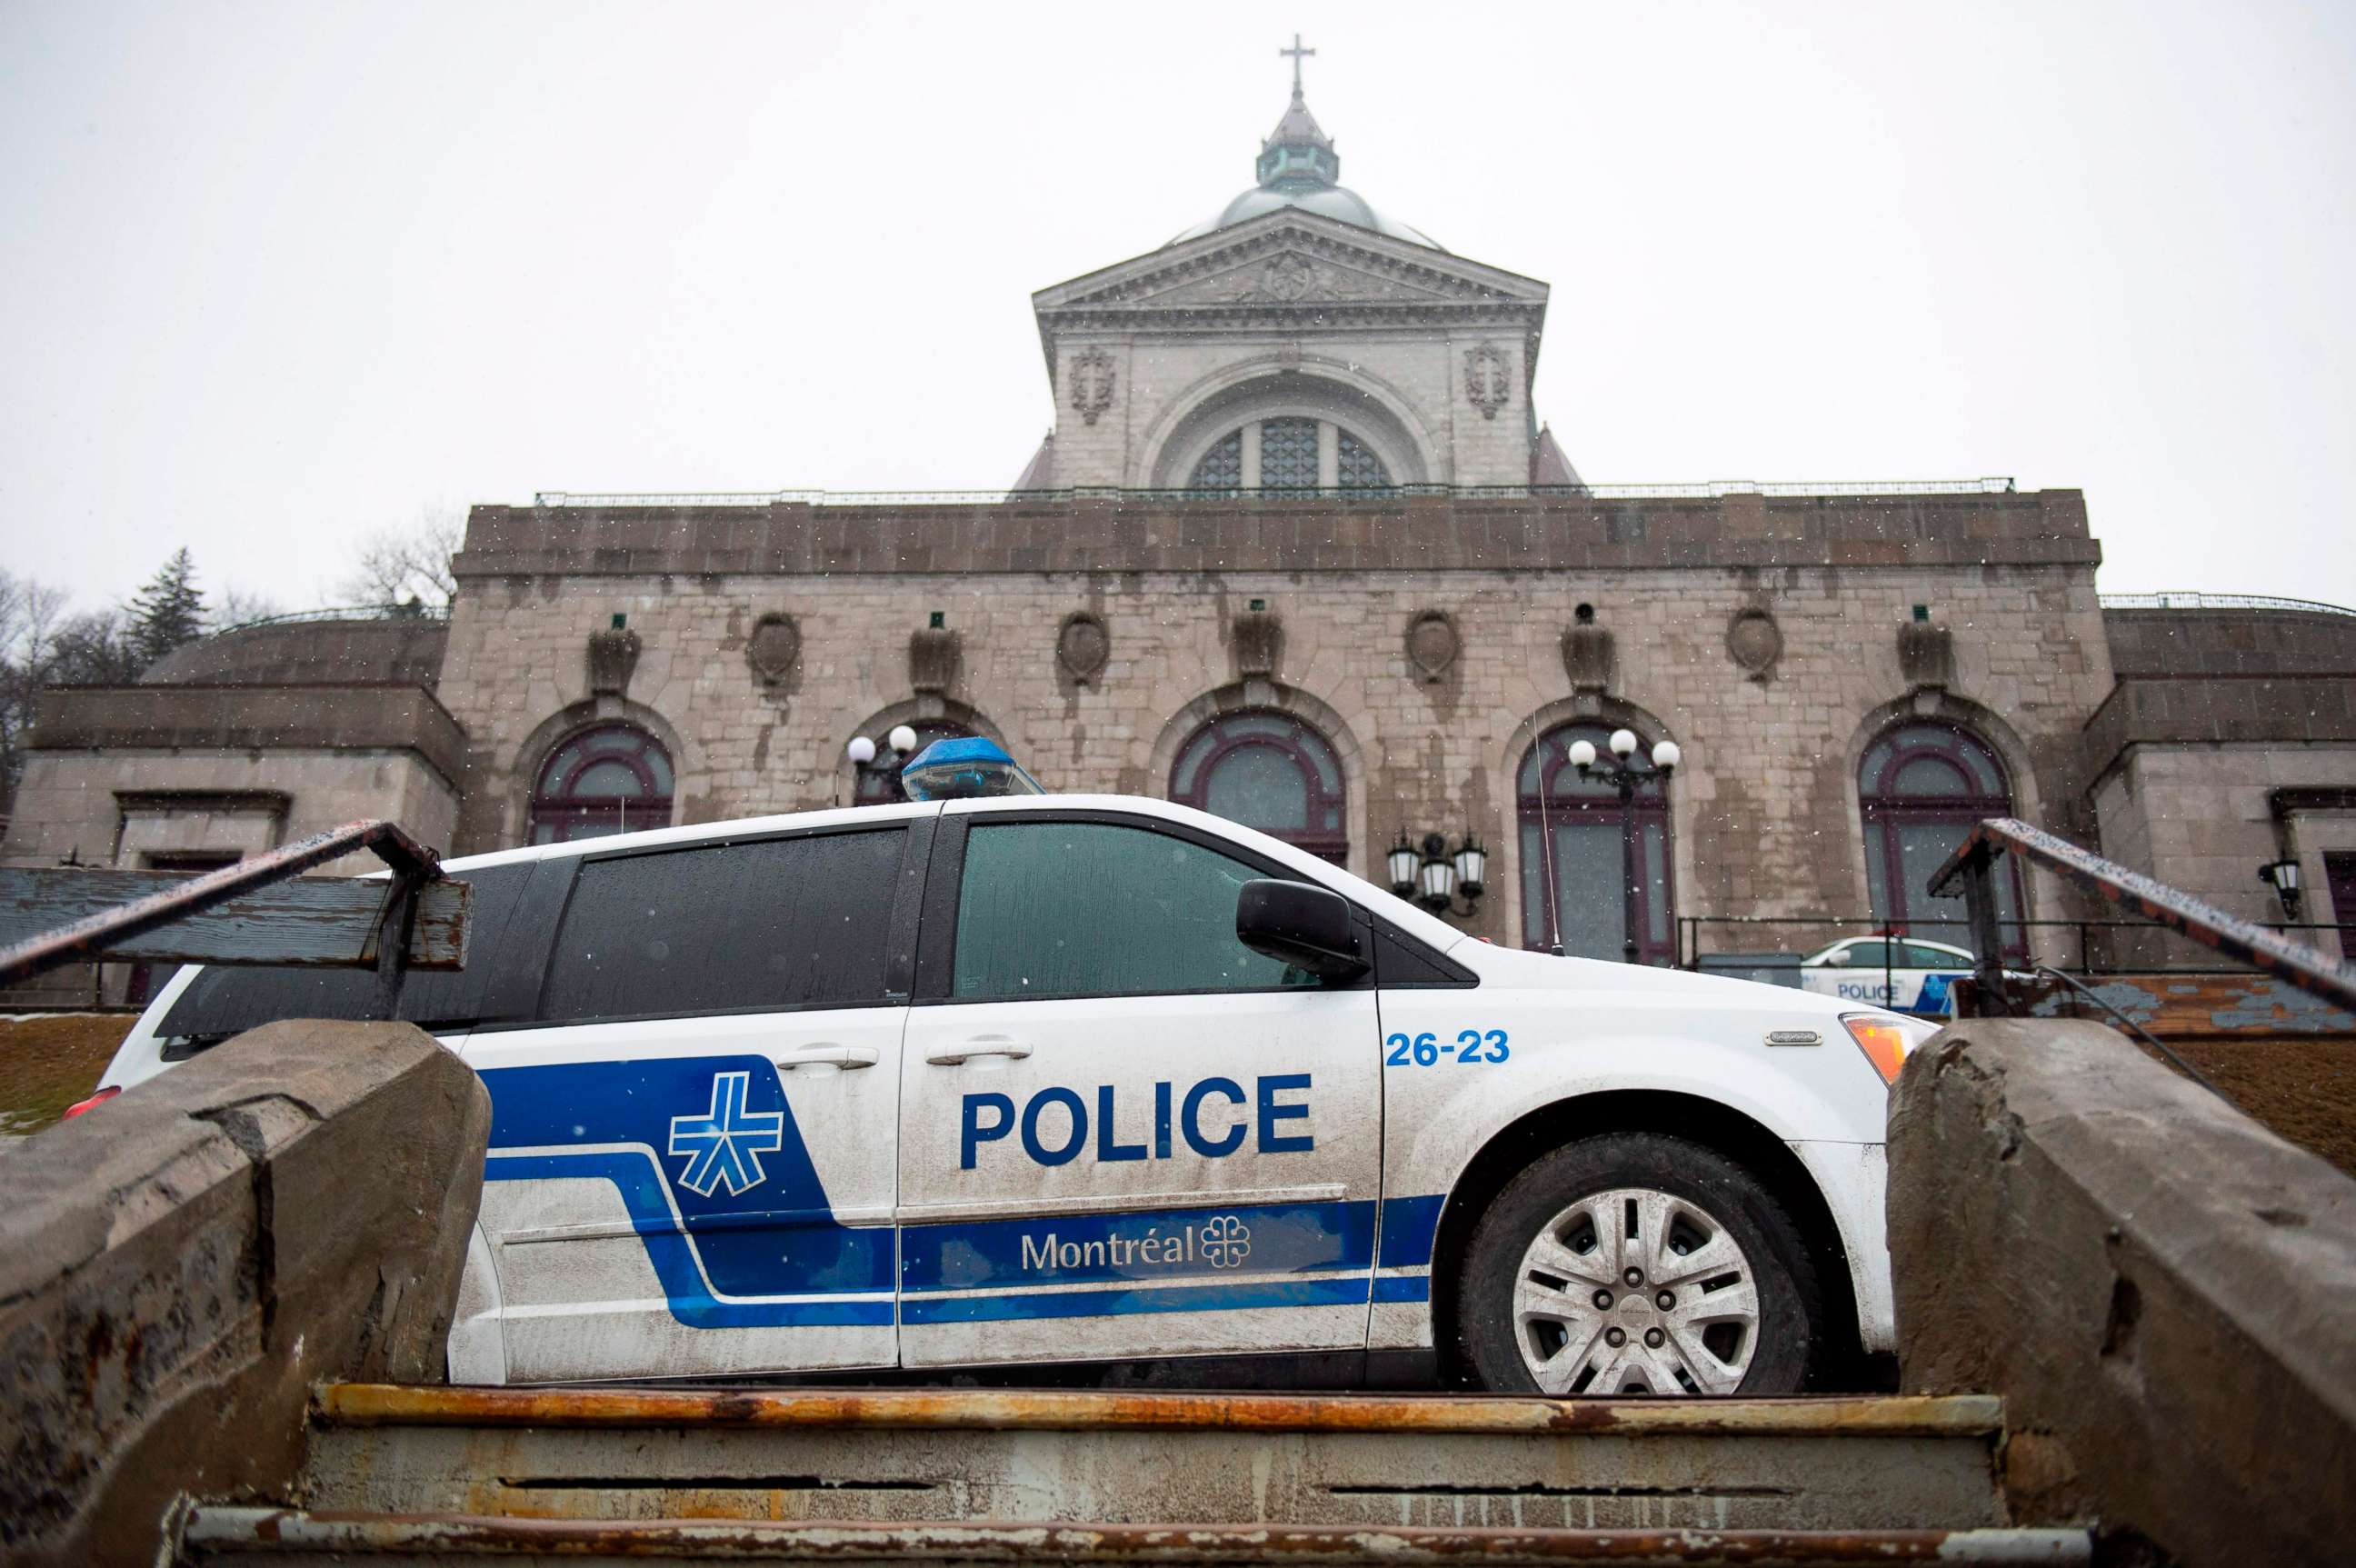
point(1838, 956)
point(1309, 928)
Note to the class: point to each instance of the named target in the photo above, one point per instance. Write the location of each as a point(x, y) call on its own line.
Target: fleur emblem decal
point(725, 1145)
point(1227, 1242)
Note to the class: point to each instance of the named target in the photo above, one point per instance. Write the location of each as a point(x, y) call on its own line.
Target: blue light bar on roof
point(967, 768)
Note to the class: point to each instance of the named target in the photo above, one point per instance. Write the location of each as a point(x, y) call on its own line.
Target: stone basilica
point(1299, 550)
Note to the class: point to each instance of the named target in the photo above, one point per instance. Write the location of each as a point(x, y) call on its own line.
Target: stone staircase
point(439, 1474)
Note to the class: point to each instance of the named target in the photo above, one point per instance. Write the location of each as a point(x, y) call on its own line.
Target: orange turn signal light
point(1882, 1040)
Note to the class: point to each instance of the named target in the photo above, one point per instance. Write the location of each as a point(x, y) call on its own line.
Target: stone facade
point(2228, 743)
point(1764, 806)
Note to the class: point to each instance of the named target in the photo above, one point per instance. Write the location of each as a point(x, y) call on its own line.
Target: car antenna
point(1546, 843)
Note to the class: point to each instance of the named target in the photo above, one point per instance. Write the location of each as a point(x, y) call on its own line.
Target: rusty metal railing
point(2229, 935)
point(383, 915)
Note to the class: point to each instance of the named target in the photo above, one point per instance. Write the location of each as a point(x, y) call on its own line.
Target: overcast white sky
point(273, 276)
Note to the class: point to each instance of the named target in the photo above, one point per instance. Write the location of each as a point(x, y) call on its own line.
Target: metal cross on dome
point(1296, 53)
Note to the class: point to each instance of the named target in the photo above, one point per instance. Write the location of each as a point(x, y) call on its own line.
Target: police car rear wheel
point(1637, 1264)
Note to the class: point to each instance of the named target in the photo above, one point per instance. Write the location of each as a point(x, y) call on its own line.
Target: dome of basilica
point(1299, 167)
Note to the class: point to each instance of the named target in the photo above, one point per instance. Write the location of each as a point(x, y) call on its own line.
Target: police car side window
point(1096, 909)
point(727, 928)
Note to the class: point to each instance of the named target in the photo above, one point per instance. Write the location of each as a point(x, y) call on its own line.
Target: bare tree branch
point(397, 565)
point(240, 608)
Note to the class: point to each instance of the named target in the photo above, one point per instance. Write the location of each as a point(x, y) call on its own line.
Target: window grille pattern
point(1288, 460)
point(1288, 454)
point(1222, 468)
point(1360, 469)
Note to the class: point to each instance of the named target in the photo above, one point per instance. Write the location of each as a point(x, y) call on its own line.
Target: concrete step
point(289, 1539)
point(1129, 1459)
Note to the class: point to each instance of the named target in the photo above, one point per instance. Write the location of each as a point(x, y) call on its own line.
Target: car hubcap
point(1633, 1290)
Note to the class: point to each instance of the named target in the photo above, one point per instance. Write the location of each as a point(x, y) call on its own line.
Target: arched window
point(1578, 847)
point(1921, 787)
point(878, 783)
point(1289, 454)
point(615, 779)
point(1267, 770)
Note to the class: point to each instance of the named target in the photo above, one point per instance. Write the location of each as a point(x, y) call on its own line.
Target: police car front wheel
point(1637, 1264)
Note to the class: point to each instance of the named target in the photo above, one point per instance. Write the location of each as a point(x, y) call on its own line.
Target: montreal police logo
point(1227, 1242)
point(724, 1144)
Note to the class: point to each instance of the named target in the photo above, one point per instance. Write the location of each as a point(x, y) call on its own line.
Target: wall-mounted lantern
point(1434, 875)
point(2282, 876)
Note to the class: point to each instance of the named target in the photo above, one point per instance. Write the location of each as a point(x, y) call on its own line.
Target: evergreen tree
point(169, 611)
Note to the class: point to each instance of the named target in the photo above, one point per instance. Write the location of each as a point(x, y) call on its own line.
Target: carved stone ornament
point(776, 643)
point(1587, 657)
point(1305, 266)
point(1082, 646)
point(932, 658)
point(1432, 644)
point(1091, 371)
point(1288, 279)
point(1754, 642)
point(1927, 655)
point(1259, 642)
point(1488, 378)
point(612, 655)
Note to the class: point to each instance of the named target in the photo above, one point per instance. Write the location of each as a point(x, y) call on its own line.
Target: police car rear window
point(727, 928)
point(223, 1001)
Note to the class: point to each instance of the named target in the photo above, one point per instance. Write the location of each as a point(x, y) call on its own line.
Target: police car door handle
point(985, 1046)
point(845, 1056)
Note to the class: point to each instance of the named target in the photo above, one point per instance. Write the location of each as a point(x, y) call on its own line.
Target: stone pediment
point(1289, 277)
point(1286, 260)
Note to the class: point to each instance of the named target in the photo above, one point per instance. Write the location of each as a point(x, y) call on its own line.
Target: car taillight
point(101, 1097)
point(1883, 1041)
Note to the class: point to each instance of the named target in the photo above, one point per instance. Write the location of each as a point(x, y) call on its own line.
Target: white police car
point(1053, 1079)
point(1908, 974)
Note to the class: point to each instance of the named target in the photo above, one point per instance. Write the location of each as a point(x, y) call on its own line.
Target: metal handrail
point(1973, 863)
point(412, 864)
point(2145, 1035)
point(1706, 490)
point(2192, 601)
point(1690, 929)
point(419, 611)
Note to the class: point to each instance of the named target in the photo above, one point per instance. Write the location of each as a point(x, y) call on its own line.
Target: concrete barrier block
point(177, 1267)
point(2159, 1287)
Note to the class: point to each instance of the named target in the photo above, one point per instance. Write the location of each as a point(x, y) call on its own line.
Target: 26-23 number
point(1426, 1049)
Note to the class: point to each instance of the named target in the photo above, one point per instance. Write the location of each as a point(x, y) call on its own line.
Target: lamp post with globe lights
point(898, 742)
point(1622, 776)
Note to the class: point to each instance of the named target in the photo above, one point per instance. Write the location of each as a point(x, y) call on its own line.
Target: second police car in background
point(1044, 1079)
point(1907, 973)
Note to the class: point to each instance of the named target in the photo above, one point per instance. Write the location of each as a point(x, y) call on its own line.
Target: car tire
point(1546, 1286)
